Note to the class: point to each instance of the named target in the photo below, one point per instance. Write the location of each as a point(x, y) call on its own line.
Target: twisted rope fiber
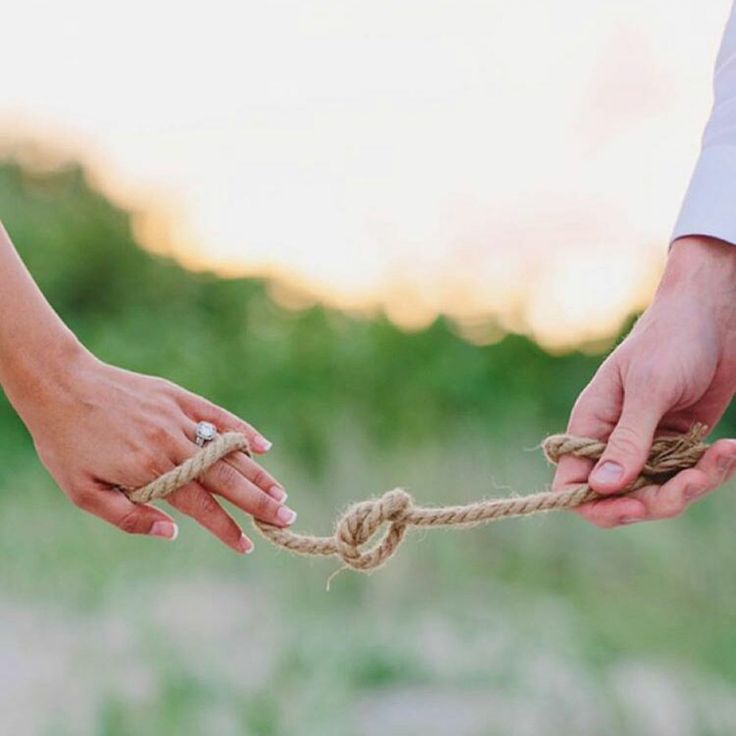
point(396, 508)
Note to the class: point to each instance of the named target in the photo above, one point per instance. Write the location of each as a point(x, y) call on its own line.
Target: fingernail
point(609, 472)
point(262, 444)
point(245, 545)
point(165, 529)
point(726, 463)
point(285, 515)
point(629, 519)
point(278, 493)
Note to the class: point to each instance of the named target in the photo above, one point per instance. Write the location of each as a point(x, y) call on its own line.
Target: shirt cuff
point(710, 203)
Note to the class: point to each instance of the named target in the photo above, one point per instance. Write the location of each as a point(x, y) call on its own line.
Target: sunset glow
point(516, 166)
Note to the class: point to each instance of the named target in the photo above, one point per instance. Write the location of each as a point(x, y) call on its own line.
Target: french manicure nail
point(165, 530)
point(262, 444)
point(285, 515)
point(609, 472)
point(245, 545)
point(278, 493)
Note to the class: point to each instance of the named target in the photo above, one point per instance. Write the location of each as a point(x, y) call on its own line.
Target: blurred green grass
point(543, 625)
point(525, 626)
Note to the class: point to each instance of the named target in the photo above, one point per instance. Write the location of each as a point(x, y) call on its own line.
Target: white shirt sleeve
point(709, 207)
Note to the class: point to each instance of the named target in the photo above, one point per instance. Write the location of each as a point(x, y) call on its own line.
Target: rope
point(396, 508)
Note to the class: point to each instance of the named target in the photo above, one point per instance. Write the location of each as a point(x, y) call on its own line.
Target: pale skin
point(675, 368)
point(97, 427)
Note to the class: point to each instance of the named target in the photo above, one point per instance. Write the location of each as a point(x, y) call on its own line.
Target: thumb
point(114, 507)
point(628, 445)
point(145, 519)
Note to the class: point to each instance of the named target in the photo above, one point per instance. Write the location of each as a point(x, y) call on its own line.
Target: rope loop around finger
point(192, 468)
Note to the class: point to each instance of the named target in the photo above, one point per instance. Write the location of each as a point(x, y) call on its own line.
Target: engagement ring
point(206, 432)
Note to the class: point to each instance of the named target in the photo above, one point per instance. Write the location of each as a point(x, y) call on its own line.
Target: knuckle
point(185, 400)
point(658, 391)
point(695, 483)
point(151, 463)
point(590, 398)
point(643, 376)
point(594, 516)
point(561, 479)
point(161, 386)
point(214, 413)
point(263, 506)
point(261, 478)
point(584, 397)
point(725, 460)
point(206, 505)
point(670, 508)
point(158, 435)
point(225, 476)
point(581, 409)
point(646, 381)
point(626, 441)
point(605, 522)
point(129, 522)
point(168, 387)
point(82, 498)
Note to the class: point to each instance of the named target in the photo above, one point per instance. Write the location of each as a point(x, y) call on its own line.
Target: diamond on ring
point(206, 432)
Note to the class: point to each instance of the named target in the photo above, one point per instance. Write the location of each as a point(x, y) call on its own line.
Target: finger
point(251, 470)
point(227, 481)
point(672, 498)
point(615, 511)
point(114, 507)
point(243, 482)
point(628, 446)
point(200, 409)
point(669, 500)
point(195, 501)
point(718, 463)
point(594, 415)
point(655, 503)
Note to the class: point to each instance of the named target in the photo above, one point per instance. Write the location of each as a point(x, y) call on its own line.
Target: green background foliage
point(533, 626)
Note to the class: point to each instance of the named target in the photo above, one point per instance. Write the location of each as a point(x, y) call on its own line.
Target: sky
point(516, 166)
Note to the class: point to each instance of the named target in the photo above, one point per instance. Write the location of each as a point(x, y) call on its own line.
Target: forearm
point(35, 344)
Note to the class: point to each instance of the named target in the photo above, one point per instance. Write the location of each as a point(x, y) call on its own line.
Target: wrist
point(700, 277)
point(39, 372)
point(700, 264)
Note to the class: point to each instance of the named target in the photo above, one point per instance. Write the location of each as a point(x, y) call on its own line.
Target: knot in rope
point(362, 520)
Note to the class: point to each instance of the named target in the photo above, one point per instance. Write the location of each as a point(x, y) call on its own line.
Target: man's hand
point(676, 367)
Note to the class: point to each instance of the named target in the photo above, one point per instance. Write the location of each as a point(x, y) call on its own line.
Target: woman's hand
point(97, 427)
point(676, 367)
